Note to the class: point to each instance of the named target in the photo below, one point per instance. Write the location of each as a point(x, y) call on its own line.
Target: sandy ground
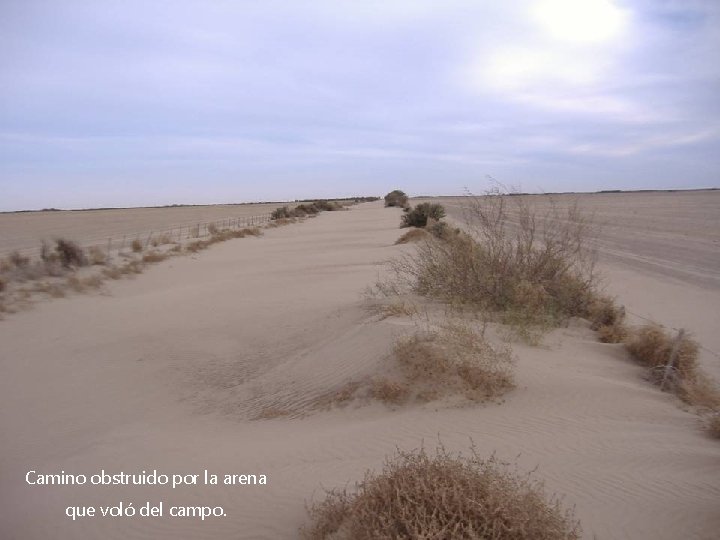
point(659, 255)
point(167, 370)
point(25, 231)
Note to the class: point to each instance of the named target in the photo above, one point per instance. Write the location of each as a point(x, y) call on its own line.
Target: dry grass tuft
point(455, 359)
point(441, 497)
point(413, 235)
point(136, 246)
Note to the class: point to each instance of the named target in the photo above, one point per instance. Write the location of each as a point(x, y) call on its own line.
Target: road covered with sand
point(220, 362)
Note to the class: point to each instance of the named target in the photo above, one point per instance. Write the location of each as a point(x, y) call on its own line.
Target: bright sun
point(580, 20)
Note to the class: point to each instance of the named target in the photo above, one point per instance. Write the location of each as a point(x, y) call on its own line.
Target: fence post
point(147, 242)
point(673, 356)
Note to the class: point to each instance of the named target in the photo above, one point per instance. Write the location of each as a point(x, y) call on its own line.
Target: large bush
point(533, 268)
point(396, 198)
point(418, 216)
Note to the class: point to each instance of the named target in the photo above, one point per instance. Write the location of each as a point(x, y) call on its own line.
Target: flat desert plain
point(183, 368)
point(25, 231)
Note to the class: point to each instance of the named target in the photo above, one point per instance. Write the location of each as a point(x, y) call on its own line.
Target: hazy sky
point(159, 102)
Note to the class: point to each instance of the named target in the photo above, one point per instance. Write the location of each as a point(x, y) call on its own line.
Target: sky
point(193, 102)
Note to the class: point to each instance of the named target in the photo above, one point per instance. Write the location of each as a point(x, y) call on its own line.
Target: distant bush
point(305, 209)
point(444, 496)
point(418, 216)
point(69, 253)
point(396, 198)
point(280, 213)
point(136, 245)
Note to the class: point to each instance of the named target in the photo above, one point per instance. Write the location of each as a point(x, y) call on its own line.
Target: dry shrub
point(17, 260)
point(389, 391)
point(536, 268)
point(154, 256)
point(96, 256)
point(651, 346)
point(396, 198)
point(69, 253)
point(136, 245)
point(443, 496)
point(613, 333)
point(212, 229)
point(419, 216)
point(2, 284)
point(455, 359)
point(280, 213)
point(413, 235)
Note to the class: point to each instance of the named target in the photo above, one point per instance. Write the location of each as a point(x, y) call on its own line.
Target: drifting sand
point(166, 371)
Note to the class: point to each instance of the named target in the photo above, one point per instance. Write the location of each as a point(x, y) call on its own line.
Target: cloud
point(345, 95)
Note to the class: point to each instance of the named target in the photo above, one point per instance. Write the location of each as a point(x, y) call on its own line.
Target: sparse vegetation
point(136, 246)
point(396, 198)
point(420, 214)
point(442, 496)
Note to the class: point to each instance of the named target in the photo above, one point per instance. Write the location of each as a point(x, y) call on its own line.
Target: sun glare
point(580, 20)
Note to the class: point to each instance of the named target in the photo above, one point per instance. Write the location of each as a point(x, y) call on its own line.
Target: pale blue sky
point(143, 103)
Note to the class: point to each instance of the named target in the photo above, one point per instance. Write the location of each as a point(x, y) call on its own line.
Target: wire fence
point(177, 234)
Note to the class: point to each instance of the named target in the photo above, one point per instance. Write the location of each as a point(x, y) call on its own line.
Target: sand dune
point(168, 370)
